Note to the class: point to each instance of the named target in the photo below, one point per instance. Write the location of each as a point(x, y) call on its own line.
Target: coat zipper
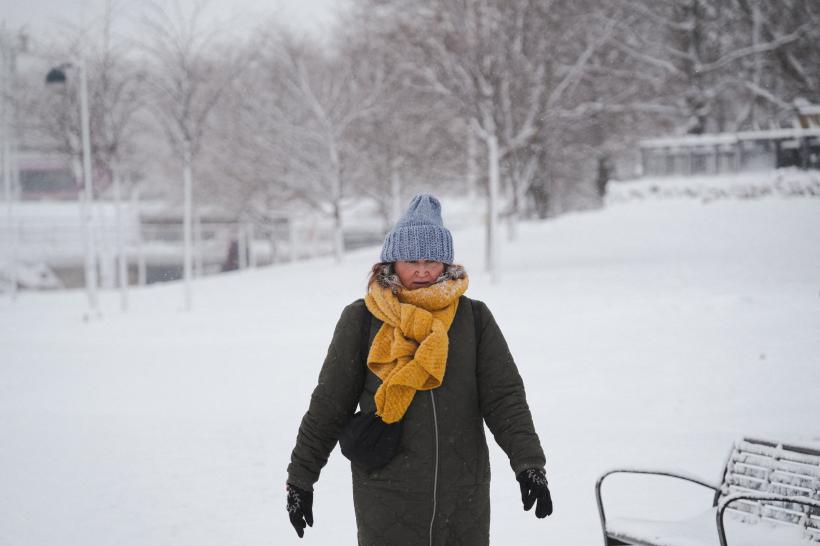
point(435, 469)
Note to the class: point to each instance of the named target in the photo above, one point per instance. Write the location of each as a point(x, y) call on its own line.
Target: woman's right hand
point(300, 508)
point(534, 487)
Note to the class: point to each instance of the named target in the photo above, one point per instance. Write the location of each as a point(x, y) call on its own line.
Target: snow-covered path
point(648, 334)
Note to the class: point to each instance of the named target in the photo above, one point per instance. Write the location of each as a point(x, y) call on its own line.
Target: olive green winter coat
point(436, 490)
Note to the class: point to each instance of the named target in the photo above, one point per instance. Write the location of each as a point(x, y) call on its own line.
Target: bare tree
point(709, 53)
point(501, 87)
point(114, 104)
point(118, 100)
point(190, 70)
point(407, 146)
point(321, 96)
point(411, 138)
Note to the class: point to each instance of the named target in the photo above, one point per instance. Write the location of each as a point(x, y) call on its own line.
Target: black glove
point(300, 508)
point(533, 482)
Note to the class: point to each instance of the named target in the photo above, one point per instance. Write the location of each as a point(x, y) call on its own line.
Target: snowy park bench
point(769, 496)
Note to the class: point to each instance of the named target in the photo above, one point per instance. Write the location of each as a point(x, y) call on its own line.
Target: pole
point(86, 202)
point(16, 193)
point(7, 53)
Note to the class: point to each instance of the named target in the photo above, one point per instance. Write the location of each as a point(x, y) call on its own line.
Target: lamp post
point(57, 76)
point(10, 46)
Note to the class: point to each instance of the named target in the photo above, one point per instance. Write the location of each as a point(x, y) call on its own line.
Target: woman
point(419, 352)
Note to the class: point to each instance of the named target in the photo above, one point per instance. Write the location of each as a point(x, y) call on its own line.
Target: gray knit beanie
point(419, 234)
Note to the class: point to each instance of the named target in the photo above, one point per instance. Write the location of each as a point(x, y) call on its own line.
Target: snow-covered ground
point(652, 333)
point(788, 182)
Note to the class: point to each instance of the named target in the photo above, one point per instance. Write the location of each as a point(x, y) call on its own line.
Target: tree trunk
point(242, 244)
point(199, 266)
point(515, 204)
point(142, 272)
point(338, 235)
point(250, 233)
point(122, 253)
point(492, 207)
point(105, 254)
point(291, 240)
point(472, 165)
point(187, 223)
point(758, 61)
point(395, 193)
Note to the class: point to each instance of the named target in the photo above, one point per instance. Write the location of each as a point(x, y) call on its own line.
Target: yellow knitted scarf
point(409, 352)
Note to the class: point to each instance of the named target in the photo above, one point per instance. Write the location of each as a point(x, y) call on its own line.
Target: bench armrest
point(726, 501)
point(665, 473)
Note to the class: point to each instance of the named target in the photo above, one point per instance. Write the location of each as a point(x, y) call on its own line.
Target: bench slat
point(790, 490)
point(759, 467)
point(796, 474)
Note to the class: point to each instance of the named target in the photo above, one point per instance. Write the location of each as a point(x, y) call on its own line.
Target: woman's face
point(418, 273)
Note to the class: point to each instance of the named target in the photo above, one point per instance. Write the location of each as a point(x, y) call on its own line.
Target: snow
point(728, 138)
point(782, 182)
point(701, 530)
point(653, 333)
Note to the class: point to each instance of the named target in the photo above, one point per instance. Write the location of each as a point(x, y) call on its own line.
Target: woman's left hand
point(533, 482)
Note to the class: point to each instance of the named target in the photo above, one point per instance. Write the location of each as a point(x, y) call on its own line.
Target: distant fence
point(50, 235)
point(731, 152)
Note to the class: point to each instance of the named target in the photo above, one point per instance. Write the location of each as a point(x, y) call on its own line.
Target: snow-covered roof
point(771, 134)
point(686, 141)
point(810, 110)
point(689, 140)
point(806, 108)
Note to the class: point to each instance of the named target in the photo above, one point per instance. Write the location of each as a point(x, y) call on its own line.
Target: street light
point(10, 47)
point(57, 76)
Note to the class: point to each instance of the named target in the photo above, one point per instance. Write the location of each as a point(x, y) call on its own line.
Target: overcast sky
point(40, 15)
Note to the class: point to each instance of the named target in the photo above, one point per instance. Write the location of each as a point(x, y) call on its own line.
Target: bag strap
point(476, 323)
point(364, 345)
point(365, 342)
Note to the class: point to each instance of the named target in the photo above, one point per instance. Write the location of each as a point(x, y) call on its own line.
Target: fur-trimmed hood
point(386, 275)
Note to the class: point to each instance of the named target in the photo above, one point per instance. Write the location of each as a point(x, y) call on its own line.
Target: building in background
point(797, 146)
point(46, 175)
